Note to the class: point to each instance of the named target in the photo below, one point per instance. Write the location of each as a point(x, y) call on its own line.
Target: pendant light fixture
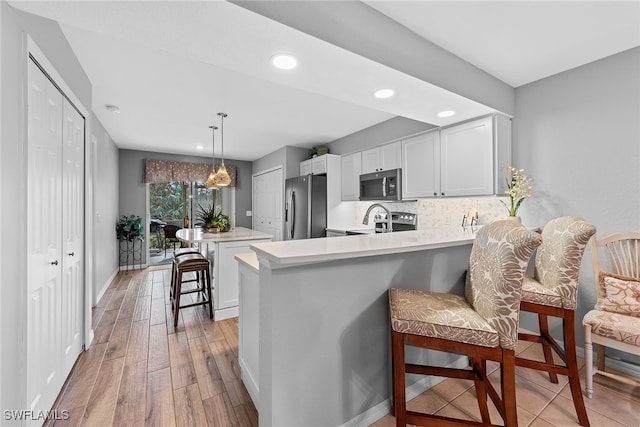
point(222, 178)
point(211, 181)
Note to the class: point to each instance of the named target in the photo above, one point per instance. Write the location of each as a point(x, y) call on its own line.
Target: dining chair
point(170, 236)
point(482, 324)
point(615, 320)
point(553, 291)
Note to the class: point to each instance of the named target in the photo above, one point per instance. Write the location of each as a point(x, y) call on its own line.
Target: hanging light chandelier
point(222, 178)
point(211, 181)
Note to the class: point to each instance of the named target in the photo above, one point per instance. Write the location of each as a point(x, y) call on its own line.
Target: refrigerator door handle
point(293, 213)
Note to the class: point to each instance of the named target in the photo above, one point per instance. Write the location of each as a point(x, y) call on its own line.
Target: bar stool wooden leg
point(480, 366)
point(399, 398)
point(543, 323)
point(177, 291)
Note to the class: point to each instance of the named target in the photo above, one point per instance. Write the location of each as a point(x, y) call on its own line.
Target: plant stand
point(130, 253)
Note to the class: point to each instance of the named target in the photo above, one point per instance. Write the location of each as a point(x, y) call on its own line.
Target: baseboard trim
point(225, 313)
point(383, 408)
point(105, 287)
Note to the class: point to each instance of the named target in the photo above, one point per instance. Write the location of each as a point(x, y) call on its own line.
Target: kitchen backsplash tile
point(444, 211)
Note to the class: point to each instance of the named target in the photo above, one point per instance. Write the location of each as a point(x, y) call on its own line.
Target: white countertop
point(248, 259)
point(197, 235)
point(335, 248)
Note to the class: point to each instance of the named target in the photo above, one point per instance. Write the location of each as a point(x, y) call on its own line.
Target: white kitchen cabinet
point(317, 165)
point(460, 160)
point(467, 159)
point(351, 168)
point(384, 157)
point(305, 167)
point(421, 166)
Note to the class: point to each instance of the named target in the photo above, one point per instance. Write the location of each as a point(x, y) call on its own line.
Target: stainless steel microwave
point(383, 185)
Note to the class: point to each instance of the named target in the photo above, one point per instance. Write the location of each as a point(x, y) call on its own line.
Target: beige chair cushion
point(618, 294)
point(488, 314)
point(557, 264)
point(533, 291)
point(439, 315)
point(615, 326)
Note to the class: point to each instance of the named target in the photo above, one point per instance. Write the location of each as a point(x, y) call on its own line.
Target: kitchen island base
point(324, 338)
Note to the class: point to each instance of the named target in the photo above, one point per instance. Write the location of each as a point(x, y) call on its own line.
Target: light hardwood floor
point(138, 371)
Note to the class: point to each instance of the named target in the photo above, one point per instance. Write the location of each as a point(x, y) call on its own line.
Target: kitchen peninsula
point(323, 335)
point(220, 249)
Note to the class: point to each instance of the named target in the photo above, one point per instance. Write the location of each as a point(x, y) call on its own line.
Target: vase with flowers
point(518, 189)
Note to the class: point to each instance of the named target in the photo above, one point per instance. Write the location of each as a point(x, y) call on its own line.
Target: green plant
point(129, 228)
point(518, 188)
point(212, 217)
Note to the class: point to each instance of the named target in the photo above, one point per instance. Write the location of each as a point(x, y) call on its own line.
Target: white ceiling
point(171, 66)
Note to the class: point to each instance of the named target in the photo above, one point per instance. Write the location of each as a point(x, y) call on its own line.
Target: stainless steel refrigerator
point(305, 207)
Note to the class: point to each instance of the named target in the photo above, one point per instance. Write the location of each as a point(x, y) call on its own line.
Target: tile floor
point(540, 402)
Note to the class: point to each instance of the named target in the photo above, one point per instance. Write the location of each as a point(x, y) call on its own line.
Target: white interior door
point(44, 346)
point(73, 136)
point(268, 203)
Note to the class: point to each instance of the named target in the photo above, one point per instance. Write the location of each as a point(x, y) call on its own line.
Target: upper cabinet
point(381, 158)
point(459, 160)
point(351, 168)
point(421, 166)
point(466, 159)
point(317, 165)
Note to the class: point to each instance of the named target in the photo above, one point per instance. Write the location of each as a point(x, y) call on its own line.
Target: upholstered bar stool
point(192, 263)
point(553, 291)
point(483, 324)
point(176, 254)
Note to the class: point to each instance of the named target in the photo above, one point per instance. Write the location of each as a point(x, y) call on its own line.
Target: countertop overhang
point(197, 235)
point(293, 252)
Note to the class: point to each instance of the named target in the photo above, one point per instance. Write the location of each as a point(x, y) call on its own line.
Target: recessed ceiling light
point(447, 113)
point(284, 61)
point(384, 93)
point(112, 108)
point(200, 147)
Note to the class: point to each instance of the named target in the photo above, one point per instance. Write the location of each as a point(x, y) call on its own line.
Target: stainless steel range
point(401, 221)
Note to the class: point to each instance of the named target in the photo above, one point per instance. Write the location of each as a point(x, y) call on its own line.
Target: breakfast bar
point(323, 336)
point(220, 249)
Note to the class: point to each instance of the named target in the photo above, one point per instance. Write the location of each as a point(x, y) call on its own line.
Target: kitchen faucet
point(365, 221)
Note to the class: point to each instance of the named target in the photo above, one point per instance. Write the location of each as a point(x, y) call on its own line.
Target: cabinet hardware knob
point(435, 194)
point(442, 194)
point(54, 262)
point(72, 253)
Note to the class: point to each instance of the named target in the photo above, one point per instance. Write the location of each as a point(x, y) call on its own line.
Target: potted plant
point(212, 219)
point(518, 188)
point(129, 228)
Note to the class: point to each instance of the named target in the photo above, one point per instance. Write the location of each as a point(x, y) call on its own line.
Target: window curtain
point(172, 171)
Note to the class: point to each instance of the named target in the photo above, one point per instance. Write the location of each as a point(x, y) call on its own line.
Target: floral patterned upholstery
point(488, 314)
point(615, 326)
point(557, 264)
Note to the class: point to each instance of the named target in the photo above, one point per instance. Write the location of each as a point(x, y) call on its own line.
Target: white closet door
point(72, 233)
point(44, 346)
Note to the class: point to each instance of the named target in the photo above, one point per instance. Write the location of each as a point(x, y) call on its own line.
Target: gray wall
point(577, 134)
point(347, 24)
point(132, 190)
point(13, 182)
point(289, 157)
point(389, 130)
point(105, 184)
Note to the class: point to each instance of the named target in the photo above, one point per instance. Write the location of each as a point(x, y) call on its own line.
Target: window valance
point(173, 171)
